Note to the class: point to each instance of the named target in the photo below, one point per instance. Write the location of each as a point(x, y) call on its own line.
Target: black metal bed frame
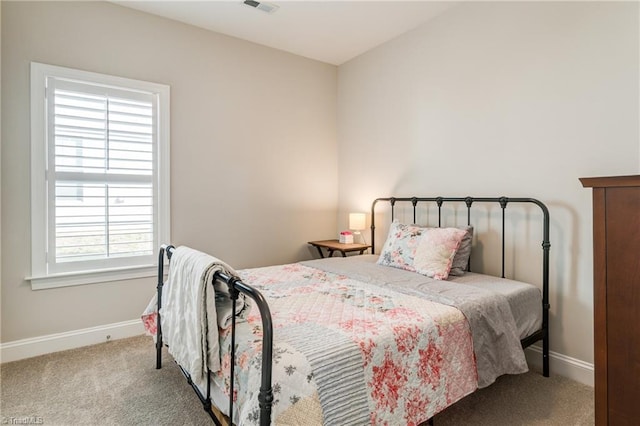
point(236, 286)
point(543, 333)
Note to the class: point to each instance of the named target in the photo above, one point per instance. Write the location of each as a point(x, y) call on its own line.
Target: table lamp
point(357, 224)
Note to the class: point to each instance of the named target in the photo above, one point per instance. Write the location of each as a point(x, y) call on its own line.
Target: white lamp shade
point(357, 221)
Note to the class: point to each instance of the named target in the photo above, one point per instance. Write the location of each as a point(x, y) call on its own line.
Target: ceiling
point(327, 31)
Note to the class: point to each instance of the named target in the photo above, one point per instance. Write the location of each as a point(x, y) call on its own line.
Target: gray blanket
point(495, 336)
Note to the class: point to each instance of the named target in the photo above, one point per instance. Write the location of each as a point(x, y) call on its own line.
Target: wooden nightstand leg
point(320, 251)
point(330, 253)
point(343, 253)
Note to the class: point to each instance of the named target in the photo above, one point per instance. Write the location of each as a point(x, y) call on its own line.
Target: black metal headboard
point(503, 202)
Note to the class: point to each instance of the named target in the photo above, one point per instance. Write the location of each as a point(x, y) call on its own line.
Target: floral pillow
point(427, 251)
point(400, 248)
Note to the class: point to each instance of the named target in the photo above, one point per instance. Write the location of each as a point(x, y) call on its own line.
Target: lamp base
point(358, 237)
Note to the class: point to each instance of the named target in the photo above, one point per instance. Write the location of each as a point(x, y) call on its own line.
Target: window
point(99, 176)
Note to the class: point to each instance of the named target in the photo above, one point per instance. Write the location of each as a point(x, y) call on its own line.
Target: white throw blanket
point(189, 310)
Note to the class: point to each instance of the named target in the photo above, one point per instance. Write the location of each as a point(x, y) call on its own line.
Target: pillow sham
point(436, 250)
point(400, 247)
point(461, 259)
point(427, 251)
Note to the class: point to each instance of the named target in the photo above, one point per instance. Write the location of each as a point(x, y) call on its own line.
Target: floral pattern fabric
point(427, 251)
point(416, 356)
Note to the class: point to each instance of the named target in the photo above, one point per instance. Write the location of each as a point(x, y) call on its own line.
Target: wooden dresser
point(616, 275)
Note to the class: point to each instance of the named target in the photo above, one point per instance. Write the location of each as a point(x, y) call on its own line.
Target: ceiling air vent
point(265, 7)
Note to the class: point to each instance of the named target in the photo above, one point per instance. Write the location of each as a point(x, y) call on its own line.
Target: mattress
point(525, 300)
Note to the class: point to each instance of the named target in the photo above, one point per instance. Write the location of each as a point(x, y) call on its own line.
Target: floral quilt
point(371, 355)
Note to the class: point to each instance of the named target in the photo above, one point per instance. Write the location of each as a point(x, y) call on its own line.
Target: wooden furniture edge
point(610, 181)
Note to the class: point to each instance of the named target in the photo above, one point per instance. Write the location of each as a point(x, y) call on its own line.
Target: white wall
point(0, 173)
point(253, 148)
point(504, 98)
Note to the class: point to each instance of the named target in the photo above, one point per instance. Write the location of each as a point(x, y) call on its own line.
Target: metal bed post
point(468, 201)
point(236, 286)
point(233, 293)
point(168, 249)
point(503, 205)
point(414, 202)
point(546, 246)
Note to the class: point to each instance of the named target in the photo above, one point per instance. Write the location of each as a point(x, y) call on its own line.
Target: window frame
point(41, 277)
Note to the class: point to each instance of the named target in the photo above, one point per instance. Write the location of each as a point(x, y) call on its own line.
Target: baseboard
point(27, 348)
point(562, 365)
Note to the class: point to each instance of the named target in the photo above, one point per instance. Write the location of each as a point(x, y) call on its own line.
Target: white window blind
point(104, 205)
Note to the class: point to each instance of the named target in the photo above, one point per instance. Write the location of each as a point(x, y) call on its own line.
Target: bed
point(393, 338)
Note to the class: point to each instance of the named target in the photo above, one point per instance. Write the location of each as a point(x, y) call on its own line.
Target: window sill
point(92, 277)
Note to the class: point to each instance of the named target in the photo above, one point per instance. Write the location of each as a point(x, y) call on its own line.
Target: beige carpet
point(116, 383)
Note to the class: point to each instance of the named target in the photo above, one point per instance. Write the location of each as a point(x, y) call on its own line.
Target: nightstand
point(335, 245)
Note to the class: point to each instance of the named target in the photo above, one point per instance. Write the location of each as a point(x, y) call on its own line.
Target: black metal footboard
point(543, 333)
point(236, 286)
